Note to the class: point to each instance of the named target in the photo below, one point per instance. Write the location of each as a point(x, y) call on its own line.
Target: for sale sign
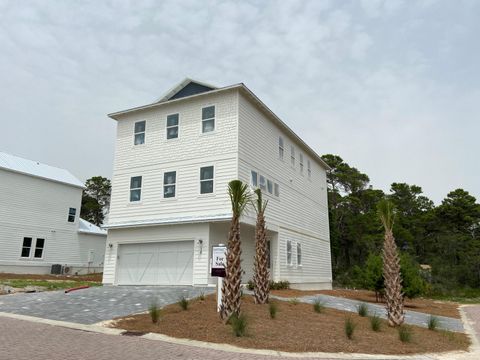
point(219, 260)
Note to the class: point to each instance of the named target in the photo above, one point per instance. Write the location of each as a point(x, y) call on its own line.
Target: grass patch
point(433, 323)
point(375, 323)
point(405, 334)
point(154, 311)
point(239, 324)
point(272, 309)
point(362, 309)
point(318, 306)
point(47, 284)
point(349, 327)
point(294, 301)
point(183, 303)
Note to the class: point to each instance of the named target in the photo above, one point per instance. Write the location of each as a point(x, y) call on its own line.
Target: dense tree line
point(446, 237)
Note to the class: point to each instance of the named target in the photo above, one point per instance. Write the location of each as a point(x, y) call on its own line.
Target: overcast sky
point(390, 86)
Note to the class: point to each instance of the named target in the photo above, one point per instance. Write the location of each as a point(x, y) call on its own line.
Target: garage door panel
point(162, 263)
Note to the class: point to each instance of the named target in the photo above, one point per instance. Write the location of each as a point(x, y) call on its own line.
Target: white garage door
point(165, 263)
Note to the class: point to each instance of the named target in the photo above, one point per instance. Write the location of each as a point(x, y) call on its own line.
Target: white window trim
point(144, 132)
point(168, 127)
point(74, 216)
point(282, 148)
point(292, 156)
point(202, 120)
point(251, 178)
point(130, 190)
point(300, 156)
point(33, 247)
point(299, 245)
point(309, 169)
point(276, 186)
point(291, 252)
point(163, 186)
point(200, 181)
point(271, 183)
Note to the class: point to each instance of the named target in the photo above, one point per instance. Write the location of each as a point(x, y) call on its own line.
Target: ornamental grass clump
point(154, 311)
point(272, 309)
point(405, 334)
point(375, 322)
point(318, 306)
point(432, 323)
point(183, 303)
point(349, 327)
point(238, 324)
point(294, 301)
point(362, 309)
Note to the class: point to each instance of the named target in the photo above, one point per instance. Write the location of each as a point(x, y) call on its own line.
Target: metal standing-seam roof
point(37, 169)
point(86, 227)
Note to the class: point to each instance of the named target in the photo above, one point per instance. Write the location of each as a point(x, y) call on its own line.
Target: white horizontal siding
point(87, 242)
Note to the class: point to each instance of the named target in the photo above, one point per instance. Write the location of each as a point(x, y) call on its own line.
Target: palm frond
point(386, 213)
point(239, 196)
point(259, 204)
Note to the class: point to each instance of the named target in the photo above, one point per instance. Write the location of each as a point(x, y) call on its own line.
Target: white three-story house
point(173, 162)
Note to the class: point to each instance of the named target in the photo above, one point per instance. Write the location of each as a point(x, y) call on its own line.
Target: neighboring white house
point(39, 220)
point(169, 205)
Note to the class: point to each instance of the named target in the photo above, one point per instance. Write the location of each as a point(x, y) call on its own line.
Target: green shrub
point(294, 301)
point(279, 285)
point(318, 306)
point(183, 303)
point(273, 309)
point(405, 334)
point(239, 324)
point(349, 327)
point(375, 322)
point(250, 285)
point(154, 311)
point(362, 309)
point(432, 323)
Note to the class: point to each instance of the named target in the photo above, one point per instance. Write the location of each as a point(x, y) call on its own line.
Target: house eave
point(169, 221)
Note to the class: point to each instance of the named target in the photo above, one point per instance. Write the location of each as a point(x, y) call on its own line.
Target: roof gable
point(34, 168)
point(187, 87)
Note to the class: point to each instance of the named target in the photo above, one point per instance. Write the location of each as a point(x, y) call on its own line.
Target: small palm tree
point(260, 272)
point(231, 291)
point(391, 266)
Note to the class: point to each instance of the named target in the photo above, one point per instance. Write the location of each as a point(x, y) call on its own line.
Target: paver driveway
point(92, 305)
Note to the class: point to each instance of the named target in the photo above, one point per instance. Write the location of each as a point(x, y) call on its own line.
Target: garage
point(157, 263)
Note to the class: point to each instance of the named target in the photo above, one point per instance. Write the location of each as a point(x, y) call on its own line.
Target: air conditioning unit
point(56, 269)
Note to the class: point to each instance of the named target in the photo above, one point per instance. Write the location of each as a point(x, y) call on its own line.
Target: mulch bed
point(297, 328)
point(90, 277)
point(428, 306)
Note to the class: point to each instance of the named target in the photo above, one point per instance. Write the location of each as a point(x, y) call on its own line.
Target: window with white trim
point(309, 169)
point(38, 245)
point(139, 133)
point(299, 254)
point(263, 183)
point(280, 148)
point(289, 252)
point(254, 179)
point(270, 186)
point(172, 126)
point(292, 155)
point(135, 188)
point(26, 247)
point(169, 184)
point(206, 179)
point(208, 119)
point(71, 214)
point(301, 163)
point(276, 190)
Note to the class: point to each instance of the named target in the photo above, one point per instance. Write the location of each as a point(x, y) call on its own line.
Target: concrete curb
point(469, 329)
point(101, 328)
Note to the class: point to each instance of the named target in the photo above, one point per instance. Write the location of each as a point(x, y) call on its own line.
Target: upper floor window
point(208, 119)
point(289, 252)
point(301, 163)
point(254, 179)
point(292, 155)
point(276, 190)
point(263, 184)
point(139, 136)
point(299, 254)
point(172, 126)
point(280, 148)
point(135, 188)
point(169, 184)
point(206, 180)
point(71, 214)
point(309, 169)
point(270, 186)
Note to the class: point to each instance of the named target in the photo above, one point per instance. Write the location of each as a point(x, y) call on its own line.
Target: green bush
point(375, 322)
point(250, 285)
point(405, 334)
point(183, 303)
point(154, 311)
point(273, 309)
point(239, 324)
point(362, 309)
point(349, 327)
point(279, 285)
point(318, 306)
point(432, 322)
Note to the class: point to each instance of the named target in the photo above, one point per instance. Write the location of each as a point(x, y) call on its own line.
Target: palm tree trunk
point(261, 274)
point(231, 292)
point(393, 281)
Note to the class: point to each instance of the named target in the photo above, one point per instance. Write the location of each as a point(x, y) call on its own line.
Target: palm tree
point(231, 292)
point(391, 266)
point(260, 272)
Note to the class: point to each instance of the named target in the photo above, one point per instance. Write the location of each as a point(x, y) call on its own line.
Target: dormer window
point(172, 126)
point(139, 133)
point(208, 119)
